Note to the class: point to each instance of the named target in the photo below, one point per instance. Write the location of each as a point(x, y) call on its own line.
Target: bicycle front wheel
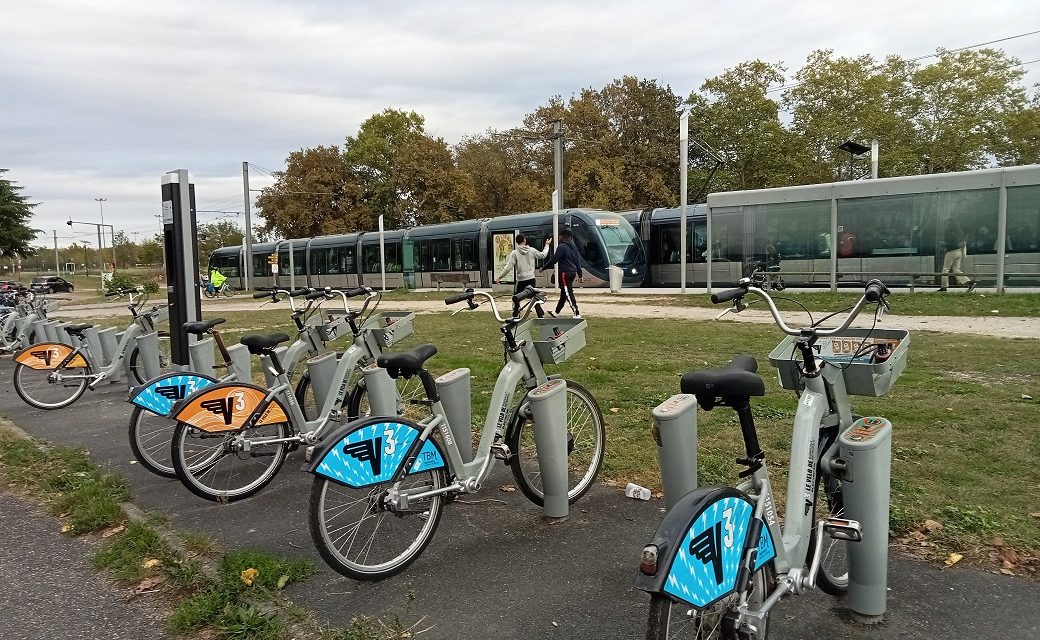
point(359, 537)
point(586, 440)
point(50, 388)
point(671, 620)
point(833, 576)
point(229, 466)
point(137, 360)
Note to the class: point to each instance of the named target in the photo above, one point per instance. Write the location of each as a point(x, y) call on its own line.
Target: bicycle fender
point(229, 406)
point(700, 546)
point(160, 394)
point(371, 450)
point(49, 355)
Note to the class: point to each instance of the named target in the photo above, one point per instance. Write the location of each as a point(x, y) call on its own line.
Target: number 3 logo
point(391, 444)
point(240, 401)
point(728, 540)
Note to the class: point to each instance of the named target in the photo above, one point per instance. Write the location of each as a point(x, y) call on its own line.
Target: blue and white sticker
point(706, 565)
point(372, 454)
point(160, 396)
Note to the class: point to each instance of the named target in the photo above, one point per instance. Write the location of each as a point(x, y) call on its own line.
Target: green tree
point(433, 188)
point(15, 213)
point(734, 113)
point(318, 193)
point(150, 251)
point(500, 180)
point(217, 234)
point(126, 251)
point(373, 156)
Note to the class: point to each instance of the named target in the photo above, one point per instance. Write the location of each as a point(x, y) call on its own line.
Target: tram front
point(606, 239)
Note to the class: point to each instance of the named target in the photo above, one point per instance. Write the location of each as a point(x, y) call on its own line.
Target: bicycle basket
point(863, 376)
point(555, 339)
point(390, 327)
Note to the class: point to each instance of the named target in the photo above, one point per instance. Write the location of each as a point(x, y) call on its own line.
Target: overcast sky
point(98, 99)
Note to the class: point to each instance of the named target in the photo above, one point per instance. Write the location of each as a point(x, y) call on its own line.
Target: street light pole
point(101, 203)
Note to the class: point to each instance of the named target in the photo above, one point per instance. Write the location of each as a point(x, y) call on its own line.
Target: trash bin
point(616, 277)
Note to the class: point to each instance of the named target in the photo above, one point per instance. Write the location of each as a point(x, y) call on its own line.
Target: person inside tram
point(956, 245)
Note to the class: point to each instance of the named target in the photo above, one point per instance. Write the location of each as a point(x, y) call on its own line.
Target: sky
point(99, 98)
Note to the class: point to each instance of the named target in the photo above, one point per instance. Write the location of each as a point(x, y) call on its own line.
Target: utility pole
point(247, 260)
point(558, 162)
point(101, 203)
point(684, 153)
point(57, 268)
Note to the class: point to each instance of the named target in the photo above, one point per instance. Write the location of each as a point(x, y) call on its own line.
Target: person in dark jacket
point(570, 268)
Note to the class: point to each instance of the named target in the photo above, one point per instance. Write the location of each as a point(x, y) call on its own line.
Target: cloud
point(101, 98)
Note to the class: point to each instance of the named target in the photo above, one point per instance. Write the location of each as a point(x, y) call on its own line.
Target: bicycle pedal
point(843, 529)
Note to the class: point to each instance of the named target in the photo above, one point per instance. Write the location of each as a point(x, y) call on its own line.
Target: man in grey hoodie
point(523, 258)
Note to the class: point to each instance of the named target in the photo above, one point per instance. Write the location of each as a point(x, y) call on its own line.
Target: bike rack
point(63, 335)
point(241, 362)
point(22, 329)
point(202, 357)
point(454, 390)
point(322, 370)
point(148, 352)
point(549, 408)
point(866, 448)
point(50, 331)
point(109, 347)
point(382, 391)
point(38, 329)
point(675, 431)
point(93, 341)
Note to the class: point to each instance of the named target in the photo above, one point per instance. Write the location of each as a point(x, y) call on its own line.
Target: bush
point(121, 281)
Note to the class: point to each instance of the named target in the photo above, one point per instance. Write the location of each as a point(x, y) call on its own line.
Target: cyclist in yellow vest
point(216, 279)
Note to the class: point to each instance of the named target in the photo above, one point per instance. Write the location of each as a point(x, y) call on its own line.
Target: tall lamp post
point(101, 204)
point(99, 226)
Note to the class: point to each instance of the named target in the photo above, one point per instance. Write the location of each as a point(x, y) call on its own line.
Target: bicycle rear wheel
point(137, 361)
point(359, 538)
point(586, 436)
point(228, 466)
point(410, 394)
point(671, 620)
point(40, 388)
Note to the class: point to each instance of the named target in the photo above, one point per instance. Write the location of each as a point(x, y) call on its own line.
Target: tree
point(734, 113)
point(150, 251)
point(217, 234)
point(965, 100)
point(373, 156)
point(15, 212)
point(433, 189)
point(126, 251)
point(318, 193)
point(1020, 143)
point(499, 178)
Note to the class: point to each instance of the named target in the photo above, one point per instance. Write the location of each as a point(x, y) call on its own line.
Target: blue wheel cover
point(372, 454)
point(160, 395)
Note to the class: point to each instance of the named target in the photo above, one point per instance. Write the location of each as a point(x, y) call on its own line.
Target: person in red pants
point(567, 256)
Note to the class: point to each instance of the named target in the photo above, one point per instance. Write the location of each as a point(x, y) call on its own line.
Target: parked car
point(11, 285)
point(51, 284)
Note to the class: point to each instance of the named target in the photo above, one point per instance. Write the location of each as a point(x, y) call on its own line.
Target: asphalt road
point(496, 568)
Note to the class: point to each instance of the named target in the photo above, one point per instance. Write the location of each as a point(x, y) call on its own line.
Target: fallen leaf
point(1035, 514)
point(151, 562)
point(1026, 397)
point(508, 488)
point(66, 528)
point(659, 494)
point(953, 559)
point(1009, 556)
point(1007, 572)
point(282, 581)
point(149, 583)
point(591, 358)
point(556, 624)
point(931, 526)
point(1008, 565)
point(108, 533)
point(133, 462)
point(997, 541)
point(614, 409)
point(248, 576)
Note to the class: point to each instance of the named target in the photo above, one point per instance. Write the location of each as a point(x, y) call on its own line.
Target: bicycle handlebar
point(874, 292)
point(459, 297)
point(262, 294)
point(528, 293)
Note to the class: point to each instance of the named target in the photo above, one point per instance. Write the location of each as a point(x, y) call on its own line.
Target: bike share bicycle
point(231, 438)
point(151, 427)
point(379, 483)
point(52, 375)
point(19, 323)
point(720, 560)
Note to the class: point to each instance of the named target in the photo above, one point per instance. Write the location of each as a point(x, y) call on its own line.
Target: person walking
point(956, 246)
point(567, 256)
point(522, 258)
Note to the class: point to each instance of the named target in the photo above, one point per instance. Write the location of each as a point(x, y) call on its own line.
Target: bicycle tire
point(144, 446)
point(21, 371)
point(320, 529)
point(827, 579)
point(407, 390)
point(522, 447)
point(665, 612)
point(200, 473)
point(137, 368)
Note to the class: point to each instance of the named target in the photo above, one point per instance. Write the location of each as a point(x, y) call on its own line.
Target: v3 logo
point(225, 407)
point(173, 392)
point(706, 546)
point(370, 451)
point(45, 354)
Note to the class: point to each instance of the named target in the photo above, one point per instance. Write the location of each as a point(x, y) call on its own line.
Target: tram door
point(502, 243)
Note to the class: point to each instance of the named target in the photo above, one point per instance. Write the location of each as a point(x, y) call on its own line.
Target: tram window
point(227, 265)
point(463, 254)
point(260, 265)
point(586, 241)
point(442, 255)
point(425, 262)
point(319, 261)
point(370, 257)
point(536, 240)
point(349, 257)
point(1023, 220)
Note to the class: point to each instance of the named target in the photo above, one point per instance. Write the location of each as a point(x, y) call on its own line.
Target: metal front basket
point(555, 339)
point(863, 377)
point(390, 327)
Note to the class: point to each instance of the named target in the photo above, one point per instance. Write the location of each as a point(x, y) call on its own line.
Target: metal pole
point(292, 269)
point(248, 237)
point(873, 158)
point(57, 268)
point(382, 255)
point(101, 264)
point(558, 160)
point(1001, 233)
point(556, 229)
point(684, 151)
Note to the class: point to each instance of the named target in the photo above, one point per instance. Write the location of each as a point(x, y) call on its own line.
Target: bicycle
point(229, 423)
point(151, 429)
point(720, 560)
point(397, 472)
point(215, 292)
point(67, 371)
point(17, 330)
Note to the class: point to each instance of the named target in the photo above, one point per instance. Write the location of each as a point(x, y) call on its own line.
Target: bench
point(456, 278)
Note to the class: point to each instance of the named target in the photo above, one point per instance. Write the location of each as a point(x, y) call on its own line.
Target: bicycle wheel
point(42, 389)
point(586, 438)
point(410, 394)
point(833, 576)
point(226, 290)
point(670, 620)
point(150, 437)
point(137, 369)
point(229, 466)
point(359, 538)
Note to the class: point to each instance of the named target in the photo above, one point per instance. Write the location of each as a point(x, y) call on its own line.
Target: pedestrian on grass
point(522, 258)
point(956, 245)
point(567, 256)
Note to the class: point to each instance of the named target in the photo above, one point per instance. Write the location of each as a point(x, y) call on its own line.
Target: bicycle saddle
point(202, 326)
point(736, 379)
point(260, 343)
point(76, 329)
point(406, 363)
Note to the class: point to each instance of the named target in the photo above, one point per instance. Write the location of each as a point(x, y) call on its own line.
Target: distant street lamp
point(101, 204)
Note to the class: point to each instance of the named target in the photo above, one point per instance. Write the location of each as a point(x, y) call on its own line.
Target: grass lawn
point(965, 442)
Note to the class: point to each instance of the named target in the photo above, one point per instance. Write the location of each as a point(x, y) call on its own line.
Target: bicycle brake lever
point(724, 312)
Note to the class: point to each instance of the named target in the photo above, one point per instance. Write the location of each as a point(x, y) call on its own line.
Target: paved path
point(602, 306)
point(50, 591)
point(497, 570)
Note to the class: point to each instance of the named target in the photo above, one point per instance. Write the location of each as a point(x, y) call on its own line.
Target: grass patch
point(85, 496)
